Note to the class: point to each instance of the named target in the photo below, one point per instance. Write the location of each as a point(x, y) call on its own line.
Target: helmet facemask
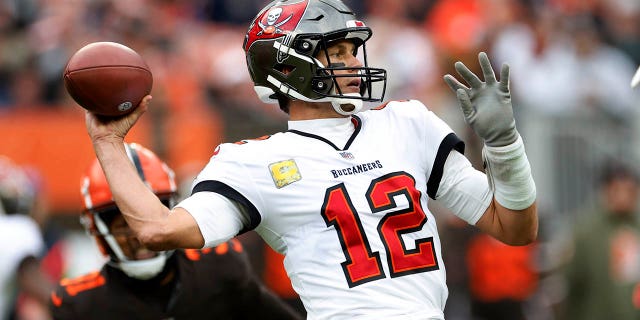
point(372, 81)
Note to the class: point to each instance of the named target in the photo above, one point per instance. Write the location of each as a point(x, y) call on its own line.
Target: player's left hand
point(486, 105)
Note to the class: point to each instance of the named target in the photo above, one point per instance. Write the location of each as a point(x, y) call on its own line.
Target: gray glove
point(486, 105)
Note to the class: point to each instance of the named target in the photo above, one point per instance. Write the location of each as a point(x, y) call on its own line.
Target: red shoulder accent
point(237, 245)
point(234, 244)
point(254, 139)
point(83, 283)
point(194, 254)
point(222, 248)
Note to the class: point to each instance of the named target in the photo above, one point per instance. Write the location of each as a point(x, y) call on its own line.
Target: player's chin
point(144, 254)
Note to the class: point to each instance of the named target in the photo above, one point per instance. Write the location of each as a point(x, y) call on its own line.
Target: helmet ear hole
point(349, 107)
point(285, 69)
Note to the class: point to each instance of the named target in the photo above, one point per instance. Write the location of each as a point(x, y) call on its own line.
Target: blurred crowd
point(571, 63)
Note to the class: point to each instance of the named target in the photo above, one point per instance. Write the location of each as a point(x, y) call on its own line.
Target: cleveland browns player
point(343, 193)
point(137, 283)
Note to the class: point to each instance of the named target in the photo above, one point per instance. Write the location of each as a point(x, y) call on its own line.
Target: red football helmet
point(100, 209)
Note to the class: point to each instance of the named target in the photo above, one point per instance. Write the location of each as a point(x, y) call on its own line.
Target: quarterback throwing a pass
point(343, 193)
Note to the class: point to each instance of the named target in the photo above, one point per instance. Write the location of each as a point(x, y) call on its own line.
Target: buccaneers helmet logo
point(275, 22)
point(272, 22)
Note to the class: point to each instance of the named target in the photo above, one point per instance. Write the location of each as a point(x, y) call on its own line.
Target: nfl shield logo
point(347, 155)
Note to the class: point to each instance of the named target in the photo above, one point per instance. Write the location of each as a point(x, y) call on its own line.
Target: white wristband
point(509, 175)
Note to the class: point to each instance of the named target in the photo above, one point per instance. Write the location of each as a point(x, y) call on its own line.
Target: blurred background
point(571, 64)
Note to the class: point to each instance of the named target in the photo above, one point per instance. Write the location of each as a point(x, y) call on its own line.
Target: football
point(107, 78)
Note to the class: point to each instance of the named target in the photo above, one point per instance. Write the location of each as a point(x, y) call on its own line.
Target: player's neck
point(302, 110)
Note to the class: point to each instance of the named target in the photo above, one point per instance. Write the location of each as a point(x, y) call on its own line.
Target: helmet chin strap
point(144, 269)
point(352, 105)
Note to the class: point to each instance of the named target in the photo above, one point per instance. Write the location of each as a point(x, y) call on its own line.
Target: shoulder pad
point(83, 283)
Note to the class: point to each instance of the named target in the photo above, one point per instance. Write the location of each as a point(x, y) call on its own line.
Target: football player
point(23, 245)
point(343, 193)
point(137, 283)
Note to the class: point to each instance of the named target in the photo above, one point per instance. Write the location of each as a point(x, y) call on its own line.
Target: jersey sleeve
point(464, 190)
point(226, 174)
point(435, 137)
point(219, 218)
point(451, 178)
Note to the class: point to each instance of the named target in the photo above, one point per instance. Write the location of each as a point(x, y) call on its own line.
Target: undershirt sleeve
point(218, 217)
point(463, 189)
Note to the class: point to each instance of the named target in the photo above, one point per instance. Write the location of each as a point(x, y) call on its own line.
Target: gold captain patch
point(284, 173)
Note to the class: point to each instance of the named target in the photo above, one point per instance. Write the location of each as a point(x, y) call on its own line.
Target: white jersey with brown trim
point(352, 220)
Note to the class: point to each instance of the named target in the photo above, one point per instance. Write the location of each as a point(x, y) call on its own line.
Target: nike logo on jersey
point(360, 168)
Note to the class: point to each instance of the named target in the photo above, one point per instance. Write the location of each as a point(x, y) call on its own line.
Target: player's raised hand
point(113, 129)
point(486, 105)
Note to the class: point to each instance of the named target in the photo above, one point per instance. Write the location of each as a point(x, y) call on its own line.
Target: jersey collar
point(322, 127)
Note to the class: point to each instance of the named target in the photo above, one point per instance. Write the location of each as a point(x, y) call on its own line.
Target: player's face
point(343, 54)
point(131, 247)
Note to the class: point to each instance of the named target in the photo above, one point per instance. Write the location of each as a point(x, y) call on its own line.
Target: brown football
point(107, 78)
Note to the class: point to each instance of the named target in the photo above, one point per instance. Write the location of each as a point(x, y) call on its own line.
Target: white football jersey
point(352, 220)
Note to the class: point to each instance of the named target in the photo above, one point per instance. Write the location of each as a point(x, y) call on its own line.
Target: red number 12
point(362, 265)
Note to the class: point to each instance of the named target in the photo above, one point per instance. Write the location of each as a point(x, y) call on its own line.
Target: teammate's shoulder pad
point(68, 288)
point(83, 283)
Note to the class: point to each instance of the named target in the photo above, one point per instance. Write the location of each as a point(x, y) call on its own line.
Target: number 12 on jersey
point(362, 265)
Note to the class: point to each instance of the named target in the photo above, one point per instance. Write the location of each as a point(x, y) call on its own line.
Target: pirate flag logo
point(276, 21)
